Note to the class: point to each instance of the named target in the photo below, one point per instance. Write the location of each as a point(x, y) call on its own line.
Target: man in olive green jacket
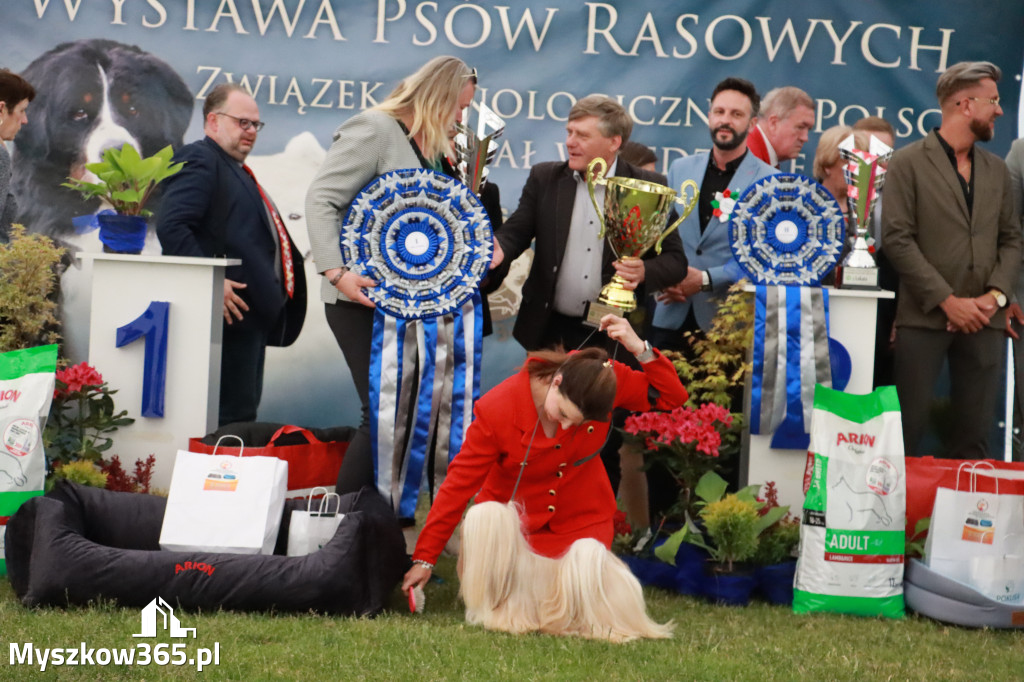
point(950, 230)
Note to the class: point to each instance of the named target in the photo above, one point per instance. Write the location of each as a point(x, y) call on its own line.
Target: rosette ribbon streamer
point(790, 356)
point(425, 238)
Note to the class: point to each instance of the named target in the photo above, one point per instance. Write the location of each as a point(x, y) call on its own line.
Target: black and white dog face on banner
point(91, 95)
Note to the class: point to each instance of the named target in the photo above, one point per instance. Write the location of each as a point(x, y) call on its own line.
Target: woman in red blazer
point(548, 422)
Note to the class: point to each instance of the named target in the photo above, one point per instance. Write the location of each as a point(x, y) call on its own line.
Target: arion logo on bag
point(167, 618)
point(208, 569)
point(856, 439)
point(9, 397)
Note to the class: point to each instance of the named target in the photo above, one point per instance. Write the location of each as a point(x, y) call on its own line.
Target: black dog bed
point(78, 544)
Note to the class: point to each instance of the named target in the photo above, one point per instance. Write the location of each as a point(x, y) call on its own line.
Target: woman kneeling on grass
point(535, 440)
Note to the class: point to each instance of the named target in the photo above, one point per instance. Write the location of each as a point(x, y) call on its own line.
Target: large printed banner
point(313, 63)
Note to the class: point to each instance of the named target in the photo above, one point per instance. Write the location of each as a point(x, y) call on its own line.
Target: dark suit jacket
point(212, 208)
point(935, 245)
point(544, 213)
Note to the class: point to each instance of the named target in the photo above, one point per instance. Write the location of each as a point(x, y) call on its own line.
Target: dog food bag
point(852, 534)
point(26, 390)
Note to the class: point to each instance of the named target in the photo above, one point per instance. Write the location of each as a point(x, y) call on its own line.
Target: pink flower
point(683, 428)
point(78, 377)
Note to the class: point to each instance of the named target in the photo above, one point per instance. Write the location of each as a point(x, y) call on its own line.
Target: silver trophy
point(475, 145)
point(865, 175)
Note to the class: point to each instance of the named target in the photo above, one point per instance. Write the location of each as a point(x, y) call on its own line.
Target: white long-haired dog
point(588, 592)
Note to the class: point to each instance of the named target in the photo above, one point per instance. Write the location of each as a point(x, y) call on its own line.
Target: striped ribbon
point(790, 356)
point(424, 379)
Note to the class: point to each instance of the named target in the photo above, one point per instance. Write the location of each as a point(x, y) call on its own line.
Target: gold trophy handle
point(688, 203)
point(597, 178)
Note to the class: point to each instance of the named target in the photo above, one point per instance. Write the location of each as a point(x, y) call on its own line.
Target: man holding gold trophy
point(572, 257)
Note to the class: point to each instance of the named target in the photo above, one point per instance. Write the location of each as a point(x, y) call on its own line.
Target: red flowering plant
point(780, 540)
point(82, 416)
point(138, 481)
point(688, 442)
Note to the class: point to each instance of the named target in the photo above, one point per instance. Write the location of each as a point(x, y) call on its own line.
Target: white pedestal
point(852, 316)
point(123, 286)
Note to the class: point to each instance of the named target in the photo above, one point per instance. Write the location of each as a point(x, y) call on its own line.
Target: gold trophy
point(865, 175)
point(634, 218)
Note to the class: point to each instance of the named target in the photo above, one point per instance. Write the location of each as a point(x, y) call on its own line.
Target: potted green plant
point(126, 182)
point(776, 553)
point(731, 529)
point(82, 416)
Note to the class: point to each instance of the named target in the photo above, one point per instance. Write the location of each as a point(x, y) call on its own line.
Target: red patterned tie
point(282, 237)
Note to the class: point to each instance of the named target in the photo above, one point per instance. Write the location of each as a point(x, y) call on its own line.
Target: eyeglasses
point(244, 123)
point(994, 101)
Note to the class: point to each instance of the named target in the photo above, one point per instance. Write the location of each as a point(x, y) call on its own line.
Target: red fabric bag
point(926, 474)
point(312, 461)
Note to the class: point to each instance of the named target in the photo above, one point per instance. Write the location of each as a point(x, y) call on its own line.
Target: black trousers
point(241, 373)
point(974, 370)
point(352, 325)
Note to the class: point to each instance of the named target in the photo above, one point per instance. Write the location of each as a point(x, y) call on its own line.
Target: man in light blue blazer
point(691, 304)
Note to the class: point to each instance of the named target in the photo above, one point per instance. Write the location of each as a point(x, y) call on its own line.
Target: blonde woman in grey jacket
point(411, 128)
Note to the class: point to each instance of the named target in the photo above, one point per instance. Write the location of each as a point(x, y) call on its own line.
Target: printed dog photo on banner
point(98, 94)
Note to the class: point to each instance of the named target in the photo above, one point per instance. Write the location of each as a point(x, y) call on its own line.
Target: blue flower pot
point(652, 572)
point(775, 582)
point(122, 233)
point(690, 577)
point(729, 588)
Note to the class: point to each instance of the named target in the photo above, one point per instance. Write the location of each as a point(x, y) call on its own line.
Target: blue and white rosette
point(787, 233)
point(427, 241)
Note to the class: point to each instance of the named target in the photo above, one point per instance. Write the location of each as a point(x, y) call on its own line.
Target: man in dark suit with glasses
point(215, 208)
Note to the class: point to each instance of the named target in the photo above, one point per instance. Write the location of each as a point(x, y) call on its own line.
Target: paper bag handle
point(1007, 555)
point(325, 506)
point(972, 467)
point(241, 443)
point(309, 498)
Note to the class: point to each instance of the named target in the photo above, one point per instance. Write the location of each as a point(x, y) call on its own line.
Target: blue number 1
point(153, 325)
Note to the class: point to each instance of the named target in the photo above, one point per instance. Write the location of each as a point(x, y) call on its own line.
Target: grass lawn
point(760, 642)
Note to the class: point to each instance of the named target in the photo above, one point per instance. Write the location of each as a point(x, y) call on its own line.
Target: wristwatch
point(999, 296)
point(705, 281)
point(646, 355)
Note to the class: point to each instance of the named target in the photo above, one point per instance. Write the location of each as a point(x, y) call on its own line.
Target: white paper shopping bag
point(971, 523)
point(312, 528)
point(224, 503)
point(1000, 577)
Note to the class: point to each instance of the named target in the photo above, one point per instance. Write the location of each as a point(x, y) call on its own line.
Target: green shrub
point(81, 471)
point(733, 526)
point(28, 280)
point(778, 542)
